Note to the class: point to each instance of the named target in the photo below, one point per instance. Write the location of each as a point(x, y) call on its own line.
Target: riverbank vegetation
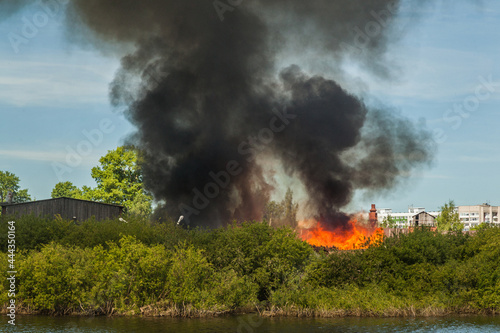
point(139, 267)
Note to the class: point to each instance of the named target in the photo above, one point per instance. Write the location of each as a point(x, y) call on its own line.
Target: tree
point(273, 212)
point(389, 222)
point(66, 189)
point(21, 196)
point(282, 213)
point(140, 205)
point(291, 209)
point(483, 226)
point(448, 220)
point(10, 182)
point(119, 181)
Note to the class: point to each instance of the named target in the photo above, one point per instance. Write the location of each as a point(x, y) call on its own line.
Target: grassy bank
point(116, 268)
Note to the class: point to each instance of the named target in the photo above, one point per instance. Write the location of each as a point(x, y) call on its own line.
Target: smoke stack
point(373, 215)
point(10, 197)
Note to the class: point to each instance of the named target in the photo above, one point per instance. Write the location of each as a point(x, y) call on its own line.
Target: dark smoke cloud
point(383, 146)
point(200, 91)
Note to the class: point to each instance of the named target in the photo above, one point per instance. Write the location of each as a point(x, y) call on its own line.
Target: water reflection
point(253, 324)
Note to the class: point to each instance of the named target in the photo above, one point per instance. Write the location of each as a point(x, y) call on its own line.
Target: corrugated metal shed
point(68, 208)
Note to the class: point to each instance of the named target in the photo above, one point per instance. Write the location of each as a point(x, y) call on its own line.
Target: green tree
point(273, 212)
point(21, 196)
point(66, 189)
point(388, 222)
point(282, 213)
point(291, 209)
point(10, 182)
point(483, 226)
point(448, 220)
point(140, 205)
point(119, 181)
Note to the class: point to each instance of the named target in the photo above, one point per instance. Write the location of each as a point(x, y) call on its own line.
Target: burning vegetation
point(353, 236)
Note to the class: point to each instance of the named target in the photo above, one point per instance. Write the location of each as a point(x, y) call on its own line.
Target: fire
point(355, 236)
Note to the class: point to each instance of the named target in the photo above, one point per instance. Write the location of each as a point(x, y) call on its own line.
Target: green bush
point(112, 266)
point(127, 275)
point(51, 279)
point(32, 232)
point(266, 255)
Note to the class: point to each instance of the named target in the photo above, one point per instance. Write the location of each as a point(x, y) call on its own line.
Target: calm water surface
point(252, 324)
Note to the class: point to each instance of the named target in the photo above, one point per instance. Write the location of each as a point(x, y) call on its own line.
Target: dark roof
point(425, 213)
point(5, 204)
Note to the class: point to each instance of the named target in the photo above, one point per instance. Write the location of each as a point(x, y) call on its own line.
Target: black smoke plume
point(211, 93)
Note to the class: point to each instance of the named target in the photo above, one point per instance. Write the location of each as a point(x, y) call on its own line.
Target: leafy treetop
point(66, 189)
point(282, 213)
point(119, 181)
point(389, 222)
point(448, 220)
point(10, 182)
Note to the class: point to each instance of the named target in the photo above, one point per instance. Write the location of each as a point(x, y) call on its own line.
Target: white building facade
point(405, 219)
point(472, 216)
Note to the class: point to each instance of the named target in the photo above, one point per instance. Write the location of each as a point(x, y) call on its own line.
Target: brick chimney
point(373, 215)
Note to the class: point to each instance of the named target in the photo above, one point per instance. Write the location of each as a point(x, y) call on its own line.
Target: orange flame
point(356, 236)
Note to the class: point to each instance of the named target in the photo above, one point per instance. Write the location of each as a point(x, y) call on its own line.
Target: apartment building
point(472, 216)
point(404, 219)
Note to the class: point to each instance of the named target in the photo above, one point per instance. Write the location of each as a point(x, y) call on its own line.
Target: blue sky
point(444, 59)
point(52, 92)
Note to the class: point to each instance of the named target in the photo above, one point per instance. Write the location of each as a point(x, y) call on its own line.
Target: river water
point(253, 324)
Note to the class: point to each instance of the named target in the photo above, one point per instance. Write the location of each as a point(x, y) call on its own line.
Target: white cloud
point(34, 155)
point(49, 156)
point(478, 159)
point(430, 175)
point(34, 83)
